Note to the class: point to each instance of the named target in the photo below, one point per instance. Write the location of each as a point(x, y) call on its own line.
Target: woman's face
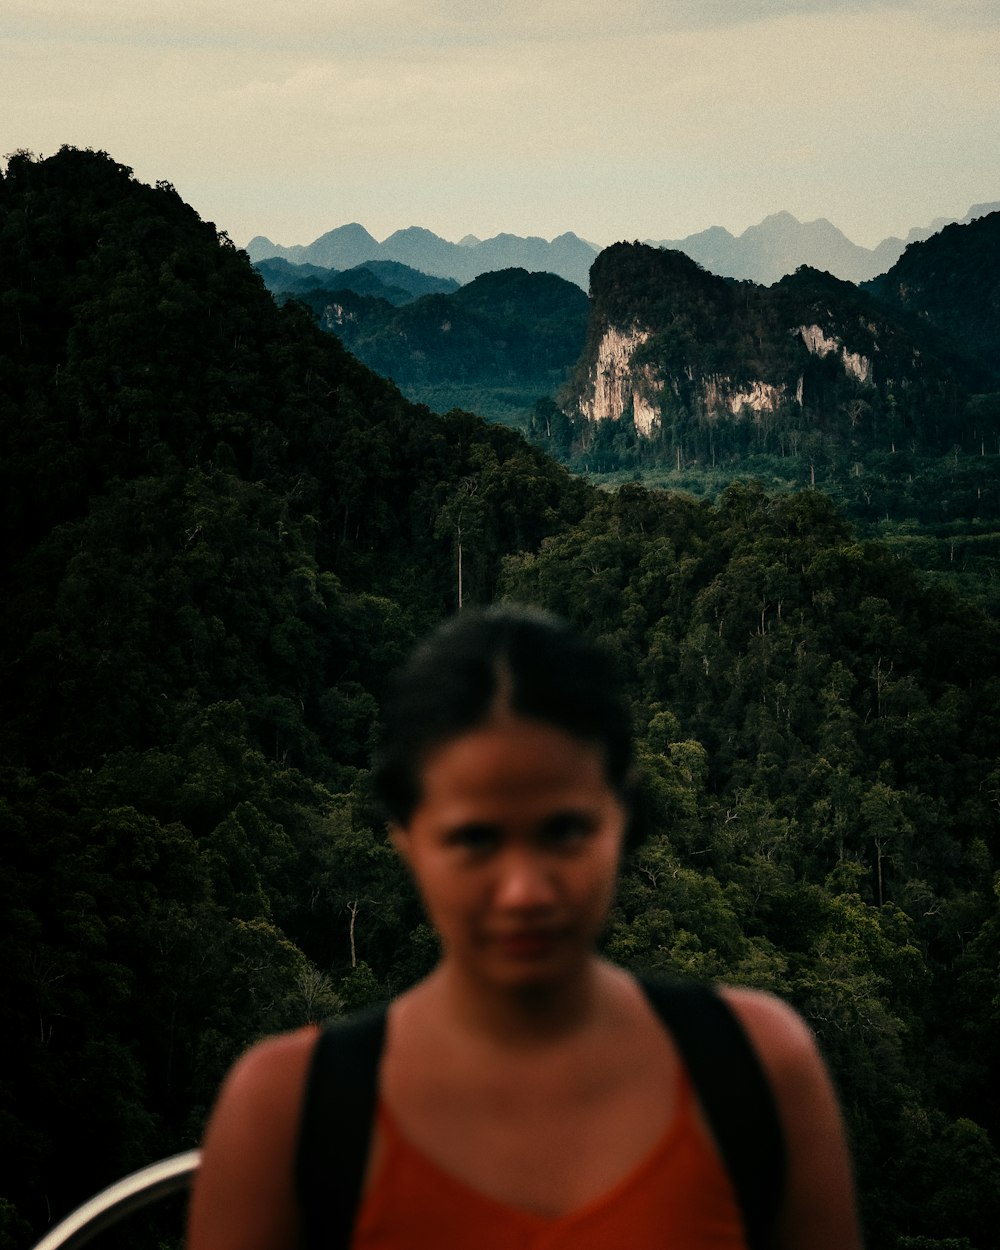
point(514, 847)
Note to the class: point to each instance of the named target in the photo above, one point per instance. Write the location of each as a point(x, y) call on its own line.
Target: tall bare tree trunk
point(353, 909)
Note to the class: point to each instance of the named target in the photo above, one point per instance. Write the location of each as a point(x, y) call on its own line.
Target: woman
point(528, 1091)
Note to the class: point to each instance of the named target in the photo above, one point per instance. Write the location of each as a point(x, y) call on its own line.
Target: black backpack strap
point(335, 1133)
point(735, 1094)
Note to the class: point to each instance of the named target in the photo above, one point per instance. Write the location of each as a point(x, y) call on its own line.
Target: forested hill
point(384, 279)
point(221, 531)
point(891, 405)
point(719, 369)
point(494, 345)
point(952, 282)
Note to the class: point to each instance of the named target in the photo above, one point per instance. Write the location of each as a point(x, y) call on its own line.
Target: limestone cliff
point(854, 363)
point(620, 388)
point(670, 344)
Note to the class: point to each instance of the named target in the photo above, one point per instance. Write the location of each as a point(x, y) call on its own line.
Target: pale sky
point(617, 119)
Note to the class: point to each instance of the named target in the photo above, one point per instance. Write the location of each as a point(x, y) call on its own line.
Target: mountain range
point(780, 243)
point(350, 246)
point(662, 341)
point(763, 253)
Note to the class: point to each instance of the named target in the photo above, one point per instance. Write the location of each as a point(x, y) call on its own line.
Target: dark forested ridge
point(494, 345)
point(385, 279)
point(952, 282)
point(221, 531)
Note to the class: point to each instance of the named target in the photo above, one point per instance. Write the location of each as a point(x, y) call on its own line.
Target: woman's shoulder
point(243, 1192)
point(778, 1033)
point(785, 1045)
point(275, 1049)
point(819, 1210)
point(267, 1082)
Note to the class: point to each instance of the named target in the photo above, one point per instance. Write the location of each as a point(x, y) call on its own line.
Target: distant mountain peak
point(415, 232)
point(714, 232)
point(353, 234)
point(351, 227)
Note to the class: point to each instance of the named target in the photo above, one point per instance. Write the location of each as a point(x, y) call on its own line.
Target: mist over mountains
point(763, 253)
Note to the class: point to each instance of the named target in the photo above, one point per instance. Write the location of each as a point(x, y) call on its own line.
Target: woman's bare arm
point(244, 1194)
point(819, 1211)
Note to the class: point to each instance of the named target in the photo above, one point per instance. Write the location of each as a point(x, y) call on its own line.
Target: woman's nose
point(525, 881)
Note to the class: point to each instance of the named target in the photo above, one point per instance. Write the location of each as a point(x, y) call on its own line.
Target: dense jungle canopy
point(220, 532)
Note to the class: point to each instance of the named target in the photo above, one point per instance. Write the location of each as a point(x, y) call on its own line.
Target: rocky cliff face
point(671, 344)
point(619, 388)
point(820, 344)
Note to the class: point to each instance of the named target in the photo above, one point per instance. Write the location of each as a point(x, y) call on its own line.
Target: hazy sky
point(617, 119)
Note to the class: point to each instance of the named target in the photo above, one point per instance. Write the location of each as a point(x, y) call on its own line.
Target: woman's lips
point(527, 943)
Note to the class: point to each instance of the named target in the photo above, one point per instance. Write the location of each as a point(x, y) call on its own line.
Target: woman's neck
point(521, 1016)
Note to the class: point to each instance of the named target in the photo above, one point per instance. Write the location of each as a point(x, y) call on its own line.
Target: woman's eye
point(473, 838)
point(567, 829)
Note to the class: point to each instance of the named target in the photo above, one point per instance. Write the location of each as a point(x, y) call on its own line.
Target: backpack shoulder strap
point(335, 1130)
point(735, 1094)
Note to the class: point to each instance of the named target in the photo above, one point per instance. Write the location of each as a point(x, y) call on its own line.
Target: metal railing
point(132, 1193)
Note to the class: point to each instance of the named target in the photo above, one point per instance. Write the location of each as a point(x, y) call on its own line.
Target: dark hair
point(520, 658)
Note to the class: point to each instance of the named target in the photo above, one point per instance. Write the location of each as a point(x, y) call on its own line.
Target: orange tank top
point(679, 1198)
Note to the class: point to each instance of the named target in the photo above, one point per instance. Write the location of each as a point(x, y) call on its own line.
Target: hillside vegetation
point(493, 346)
point(952, 282)
point(220, 533)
